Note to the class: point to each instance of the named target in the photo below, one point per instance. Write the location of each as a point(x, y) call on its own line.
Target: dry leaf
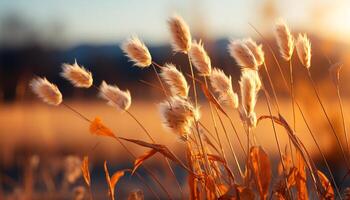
point(301, 178)
point(261, 168)
point(98, 128)
point(161, 149)
point(142, 158)
point(328, 190)
point(85, 170)
point(298, 145)
point(112, 181)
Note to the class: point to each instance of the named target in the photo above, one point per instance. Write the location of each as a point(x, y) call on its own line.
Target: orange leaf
point(112, 181)
point(98, 128)
point(261, 168)
point(85, 170)
point(161, 149)
point(328, 190)
point(301, 177)
point(142, 158)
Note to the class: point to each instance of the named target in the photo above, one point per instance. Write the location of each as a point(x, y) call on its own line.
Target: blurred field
point(36, 128)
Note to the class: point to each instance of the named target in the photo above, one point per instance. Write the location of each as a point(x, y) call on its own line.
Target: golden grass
point(203, 154)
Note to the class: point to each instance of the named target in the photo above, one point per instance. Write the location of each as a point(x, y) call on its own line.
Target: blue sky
point(106, 21)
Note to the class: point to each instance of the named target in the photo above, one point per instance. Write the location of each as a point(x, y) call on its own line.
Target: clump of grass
point(210, 175)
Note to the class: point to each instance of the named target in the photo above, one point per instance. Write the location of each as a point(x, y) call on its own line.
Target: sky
point(73, 22)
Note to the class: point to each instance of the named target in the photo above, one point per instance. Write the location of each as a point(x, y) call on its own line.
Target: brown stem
point(277, 141)
point(230, 145)
point(166, 159)
point(285, 82)
point(193, 81)
point(129, 152)
point(327, 117)
point(215, 125)
point(343, 117)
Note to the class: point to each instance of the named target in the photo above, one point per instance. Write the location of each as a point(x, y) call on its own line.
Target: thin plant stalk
point(277, 104)
point(327, 117)
point(126, 148)
point(292, 91)
point(293, 104)
point(193, 81)
point(343, 117)
point(166, 159)
point(215, 125)
point(236, 133)
point(296, 102)
point(323, 156)
point(230, 145)
point(276, 138)
point(159, 80)
point(147, 186)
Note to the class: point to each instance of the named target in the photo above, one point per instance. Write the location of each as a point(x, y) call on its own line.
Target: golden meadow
point(204, 137)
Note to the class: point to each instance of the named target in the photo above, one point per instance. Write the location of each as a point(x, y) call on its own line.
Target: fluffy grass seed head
point(180, 33)
point(179, 115)
point(175, 80)
point(200, 58)
point(242, 54)
point(46, 91)
point(249, 85)
point(222, 85)
point(114, 96)
point(285, 40)
point(256, 50)
point(137, 52)
point(334, 72)
point(77, 75)
point(303, 47)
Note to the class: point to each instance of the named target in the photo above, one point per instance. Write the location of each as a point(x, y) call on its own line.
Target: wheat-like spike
point(114, 96)
point(137, 52)
point(178, 115)
point(77, 75)
point(303, 47)
point(222, 85)
point(175, 80)
point(46, 91)
point(250, 85)
point(285, 40)
point(242, 54)
point(256, 50)
point(180, 33)
point(200, 58)
point(334, 72)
